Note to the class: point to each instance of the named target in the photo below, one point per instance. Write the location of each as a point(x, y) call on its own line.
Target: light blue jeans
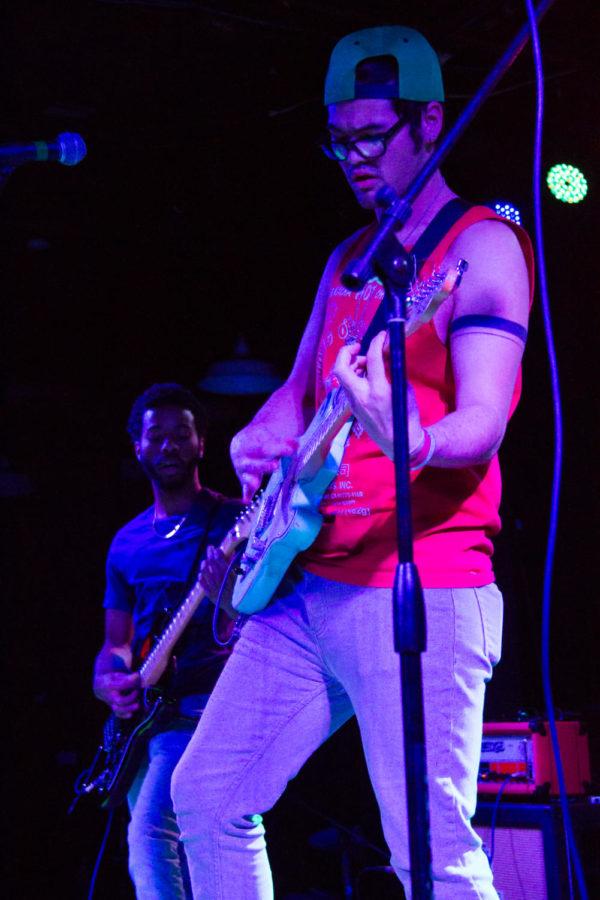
point(157, 862)
point(319, 654)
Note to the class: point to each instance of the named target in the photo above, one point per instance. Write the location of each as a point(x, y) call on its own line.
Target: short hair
point(165, 394)
point(383, 71)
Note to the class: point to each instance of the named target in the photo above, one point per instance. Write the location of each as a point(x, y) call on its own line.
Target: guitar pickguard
point(285, 531)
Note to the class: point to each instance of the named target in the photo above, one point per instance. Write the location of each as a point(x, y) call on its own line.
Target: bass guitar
point(124, 740)
point(288, 518)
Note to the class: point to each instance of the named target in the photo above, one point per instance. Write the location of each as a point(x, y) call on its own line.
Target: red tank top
point(455, 511)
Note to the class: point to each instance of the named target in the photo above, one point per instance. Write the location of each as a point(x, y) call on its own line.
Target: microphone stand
point(386, 257)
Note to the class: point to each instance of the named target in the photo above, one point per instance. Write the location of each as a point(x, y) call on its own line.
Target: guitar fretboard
point(333, 410)
point(157, 660)
point(423, 300)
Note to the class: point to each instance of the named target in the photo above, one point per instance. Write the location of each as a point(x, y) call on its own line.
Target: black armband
point(491, 323)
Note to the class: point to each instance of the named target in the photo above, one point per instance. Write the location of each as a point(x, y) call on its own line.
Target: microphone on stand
point(68, 149)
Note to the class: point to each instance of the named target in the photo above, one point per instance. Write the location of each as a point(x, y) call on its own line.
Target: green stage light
point(567, 183)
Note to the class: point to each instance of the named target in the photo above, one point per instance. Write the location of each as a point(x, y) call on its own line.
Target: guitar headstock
point(427, 296)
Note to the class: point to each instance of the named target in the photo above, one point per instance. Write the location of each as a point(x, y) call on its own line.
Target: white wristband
point(420, 463)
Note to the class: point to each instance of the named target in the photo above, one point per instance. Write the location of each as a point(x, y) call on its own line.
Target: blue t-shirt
point(147, 574)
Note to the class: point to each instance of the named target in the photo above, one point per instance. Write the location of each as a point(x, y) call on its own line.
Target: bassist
point(151, 562)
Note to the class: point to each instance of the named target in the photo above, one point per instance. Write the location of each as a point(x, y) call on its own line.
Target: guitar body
point(288, 522)
point(122, 750)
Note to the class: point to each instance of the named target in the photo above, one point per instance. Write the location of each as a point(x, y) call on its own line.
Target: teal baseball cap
point(418, 75)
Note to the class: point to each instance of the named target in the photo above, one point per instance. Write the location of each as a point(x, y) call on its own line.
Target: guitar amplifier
point(518, 757)
point(529, 861)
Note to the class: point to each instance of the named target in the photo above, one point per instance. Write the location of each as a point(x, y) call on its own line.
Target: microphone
point(68, 148)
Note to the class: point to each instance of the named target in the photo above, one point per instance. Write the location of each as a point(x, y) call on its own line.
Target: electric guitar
point(124, 740)
point(288, 518)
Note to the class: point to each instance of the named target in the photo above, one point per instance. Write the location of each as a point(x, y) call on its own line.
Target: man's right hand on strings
point(120, 690)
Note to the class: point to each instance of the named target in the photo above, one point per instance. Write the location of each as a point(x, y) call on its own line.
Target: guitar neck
point(425, 299)
point(330, 417)
point(158, 659)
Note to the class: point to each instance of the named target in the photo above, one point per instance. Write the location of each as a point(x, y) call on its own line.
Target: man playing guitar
point(151, 561)
point(323, 649)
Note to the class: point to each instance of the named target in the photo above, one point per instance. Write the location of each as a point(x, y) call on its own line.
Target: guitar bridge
point(252, 554)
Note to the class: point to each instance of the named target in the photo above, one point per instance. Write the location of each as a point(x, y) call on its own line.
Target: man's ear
point(137, 449)
point(432, 121)
point(201, 448)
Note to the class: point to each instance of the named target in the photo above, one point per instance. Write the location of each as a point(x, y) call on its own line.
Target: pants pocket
point(489, 601)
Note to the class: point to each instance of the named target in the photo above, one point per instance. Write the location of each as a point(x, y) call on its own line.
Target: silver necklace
point(173, 530)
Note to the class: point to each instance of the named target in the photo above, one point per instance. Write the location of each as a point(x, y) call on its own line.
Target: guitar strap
point(193, 572)
point(192, 575)
point(424, 247)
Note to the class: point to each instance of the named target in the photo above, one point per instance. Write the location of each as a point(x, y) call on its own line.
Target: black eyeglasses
point(370, 146)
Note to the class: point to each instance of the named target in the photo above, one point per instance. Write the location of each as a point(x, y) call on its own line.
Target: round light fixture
point(567, 183)
point(507, 211)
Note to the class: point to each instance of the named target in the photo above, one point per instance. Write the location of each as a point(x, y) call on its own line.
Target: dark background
point(203, 212)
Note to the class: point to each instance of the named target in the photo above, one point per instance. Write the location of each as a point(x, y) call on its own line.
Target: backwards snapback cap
point(419, 76)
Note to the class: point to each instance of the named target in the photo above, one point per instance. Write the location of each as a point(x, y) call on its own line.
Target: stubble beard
point(171, 483)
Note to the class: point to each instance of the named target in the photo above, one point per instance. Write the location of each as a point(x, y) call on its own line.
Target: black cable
point(572, 851)
point(490, 851)
point(240, 619)
point(100, 855)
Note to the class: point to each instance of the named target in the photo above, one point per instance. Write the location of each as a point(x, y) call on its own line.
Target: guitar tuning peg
point(461, 268)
